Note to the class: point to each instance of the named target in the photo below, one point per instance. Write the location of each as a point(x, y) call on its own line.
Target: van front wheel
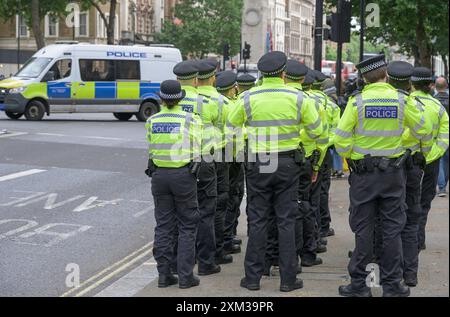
point(147, 110)
point(13, 115)
point(35, 110)
point(123, 116)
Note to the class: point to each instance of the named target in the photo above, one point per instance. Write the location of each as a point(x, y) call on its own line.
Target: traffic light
point(226, 52)
point(340, 23)
point(247, 50)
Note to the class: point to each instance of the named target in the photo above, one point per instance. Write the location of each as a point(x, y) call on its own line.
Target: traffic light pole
point(318, 36)
point(339, 69)
point(362, 4)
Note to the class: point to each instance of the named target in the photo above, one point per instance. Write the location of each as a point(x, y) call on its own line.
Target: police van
point(88, 78)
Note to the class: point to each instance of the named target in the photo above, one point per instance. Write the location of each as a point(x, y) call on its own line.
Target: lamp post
point(18, 34)
point(133, 19)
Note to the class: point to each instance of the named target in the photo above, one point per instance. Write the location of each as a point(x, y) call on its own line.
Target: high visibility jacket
point(174, 136)
point(334, 115)
point(437, 115)
point(320, 101)
point(414, 142)
point(374, 121)
point(216, 101)
point(272, 114)
point(203, 107)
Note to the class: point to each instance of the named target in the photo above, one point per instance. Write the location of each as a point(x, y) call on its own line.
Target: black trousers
point(234, 202)
point(207, 201)
point(380, 192)
point(429, 184)
point(414, 177)
point(176, 208)
point(223, 188)
point(276, 191)
point(306, 233)
point(325, 184)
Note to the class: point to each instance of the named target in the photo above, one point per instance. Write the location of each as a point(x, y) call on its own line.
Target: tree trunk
point(416, 56)
point(36, 24)
point(112, 22)
point(422, 40)
point(444, 59)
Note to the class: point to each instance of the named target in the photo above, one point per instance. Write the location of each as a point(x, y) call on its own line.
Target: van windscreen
point(33, 67)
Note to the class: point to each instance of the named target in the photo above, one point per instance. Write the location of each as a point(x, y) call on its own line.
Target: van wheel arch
point(148, 108)
point(44, 102)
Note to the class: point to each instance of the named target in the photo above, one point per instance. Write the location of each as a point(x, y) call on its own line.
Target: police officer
point(437, 115)
point(273, 178)
point(370, 135)
point(174, 138)
point(226, 86)
point(187, 73)
point(245, 82)
point(206, 81)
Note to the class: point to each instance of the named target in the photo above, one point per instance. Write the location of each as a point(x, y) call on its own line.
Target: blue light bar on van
point(126, 54)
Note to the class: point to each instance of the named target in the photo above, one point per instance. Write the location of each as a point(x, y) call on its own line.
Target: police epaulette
point(355, 93)
point(404, 92)
point(419, 101)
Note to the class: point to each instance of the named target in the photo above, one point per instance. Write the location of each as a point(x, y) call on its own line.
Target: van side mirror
point(49, 76)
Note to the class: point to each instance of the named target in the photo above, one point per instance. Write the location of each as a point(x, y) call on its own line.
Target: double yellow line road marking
point(110, 272)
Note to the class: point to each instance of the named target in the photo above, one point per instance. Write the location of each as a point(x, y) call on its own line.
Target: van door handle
point(82, 84)
point(68, 84)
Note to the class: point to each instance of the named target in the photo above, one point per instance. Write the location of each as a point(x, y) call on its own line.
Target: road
point(73, 195)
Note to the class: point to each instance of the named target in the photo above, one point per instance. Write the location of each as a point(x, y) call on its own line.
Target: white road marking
point(90, 137)
point(106, 270)
point(142, 212)
point(20, 174)
point(12, 134)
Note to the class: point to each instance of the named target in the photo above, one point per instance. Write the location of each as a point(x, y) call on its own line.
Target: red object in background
point(177, 21)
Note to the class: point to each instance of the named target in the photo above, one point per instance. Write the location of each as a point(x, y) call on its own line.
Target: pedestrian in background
point(442, 96)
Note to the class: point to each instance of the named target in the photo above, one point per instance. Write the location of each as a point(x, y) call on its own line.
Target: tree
point(412, 25)
point(204, 26)
point(33, 12)
point(108, 21)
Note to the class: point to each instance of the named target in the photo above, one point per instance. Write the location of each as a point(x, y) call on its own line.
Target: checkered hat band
point(414, 78)
point(169, 96)
point(372, 67)
point(206, 76)
point(246, 83)
point(187, 77)
point(294, 77)
point(225, 88)
point(274, 72)
point(399, 79)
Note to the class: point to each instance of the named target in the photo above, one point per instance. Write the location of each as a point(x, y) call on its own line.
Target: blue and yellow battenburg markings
point(166, 128)
point(103, 90)
point(381, 112)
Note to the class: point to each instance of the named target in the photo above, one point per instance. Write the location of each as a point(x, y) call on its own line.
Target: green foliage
point(9, 8)
point(205, 26)
point(401, 22)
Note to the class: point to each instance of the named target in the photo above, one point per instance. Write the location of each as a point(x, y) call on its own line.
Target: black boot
point(250, 286)
point(410, 280)
point(321, 248)
point(398, 290)
point(308, 263)
point(214, 269)
point(289, 288)
point(350, 291)
point(192, 282)
point(232, 249)
point(224, 259)
point(166, 280)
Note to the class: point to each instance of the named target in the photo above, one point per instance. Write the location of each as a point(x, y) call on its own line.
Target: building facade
point(279, 25)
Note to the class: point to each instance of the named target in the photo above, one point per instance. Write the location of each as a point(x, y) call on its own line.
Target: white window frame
point(77, 30)
point(47, 26)
point(18, 28)
point(101, 27)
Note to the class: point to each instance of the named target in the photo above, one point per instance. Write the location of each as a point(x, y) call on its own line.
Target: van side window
point(61, 69)
point(128, 70)
point(97, 70)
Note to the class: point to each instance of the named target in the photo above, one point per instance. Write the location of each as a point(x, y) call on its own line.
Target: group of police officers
point(219, 136)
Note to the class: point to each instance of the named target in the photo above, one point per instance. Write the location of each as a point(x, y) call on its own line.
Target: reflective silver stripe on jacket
point(343, 150)
point(200, 105)
point(343, 134)
point(247, 108)
point(221, 101)
point(172, 157)
point(442, 145)
point(374, 152)
point(281, 137)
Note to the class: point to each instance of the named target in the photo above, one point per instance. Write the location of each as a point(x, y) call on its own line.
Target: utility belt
point(194, 168)
point(298, 155)
point(369, 163)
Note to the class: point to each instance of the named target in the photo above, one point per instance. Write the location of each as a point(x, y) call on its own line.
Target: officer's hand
point(314, 177)
point(148, 173)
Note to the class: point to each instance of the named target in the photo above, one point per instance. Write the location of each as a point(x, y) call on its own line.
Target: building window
point(295, 24)
point(83, 30)
point(101, 28)
point(295, 7)
point(51, 26)
point(295, 43)
point(306, 12)
point(22, 28)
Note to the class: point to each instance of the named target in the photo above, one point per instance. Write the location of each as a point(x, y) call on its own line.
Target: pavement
point(76, 219)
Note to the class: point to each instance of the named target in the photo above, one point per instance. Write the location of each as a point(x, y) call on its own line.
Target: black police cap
point(400, 71)
point(310, 78)
point(295, 70)
point(226, 80)
point(246, 80)
point(186, 70)
point(319, 76)
point(171, 90)
point(422, 74)
point(272, 64)
point(371, 64)
point(206, 69)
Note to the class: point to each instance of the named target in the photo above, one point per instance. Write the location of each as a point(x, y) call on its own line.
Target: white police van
point(88, 78)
